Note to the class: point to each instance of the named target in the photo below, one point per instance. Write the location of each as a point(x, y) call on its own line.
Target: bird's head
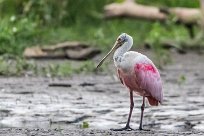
point(121, 40)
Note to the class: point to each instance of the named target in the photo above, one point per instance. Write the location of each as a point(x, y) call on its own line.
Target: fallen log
point(131, 9)
point(66, 45)
point(70, 50)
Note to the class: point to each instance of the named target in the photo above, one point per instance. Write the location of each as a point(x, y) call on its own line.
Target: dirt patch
point(102, 102)
point(89, 132)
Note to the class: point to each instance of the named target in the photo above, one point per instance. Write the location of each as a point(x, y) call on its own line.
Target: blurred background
point(27, 23)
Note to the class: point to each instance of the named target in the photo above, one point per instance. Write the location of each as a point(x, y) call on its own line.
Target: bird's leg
point(127, 127)
point(142, 111)
point(130, 113)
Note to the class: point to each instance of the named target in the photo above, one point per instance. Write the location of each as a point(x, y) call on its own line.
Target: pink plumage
point(145, 81)
point(149, 80)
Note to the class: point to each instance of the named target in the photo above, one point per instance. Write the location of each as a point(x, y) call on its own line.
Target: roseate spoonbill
point(138, 73)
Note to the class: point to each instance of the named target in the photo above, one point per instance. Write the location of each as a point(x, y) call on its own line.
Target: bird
point(138, 73)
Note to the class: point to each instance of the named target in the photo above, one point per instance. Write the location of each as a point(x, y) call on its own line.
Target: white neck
point(118, 55)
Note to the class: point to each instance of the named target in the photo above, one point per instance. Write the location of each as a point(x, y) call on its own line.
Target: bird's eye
point(119, 39)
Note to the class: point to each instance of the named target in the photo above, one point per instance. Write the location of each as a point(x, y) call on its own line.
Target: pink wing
point(149, 79)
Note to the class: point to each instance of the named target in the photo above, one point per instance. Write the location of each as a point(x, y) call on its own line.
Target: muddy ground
point(33, 106)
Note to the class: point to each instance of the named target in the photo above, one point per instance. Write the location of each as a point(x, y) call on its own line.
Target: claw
point(126, 128)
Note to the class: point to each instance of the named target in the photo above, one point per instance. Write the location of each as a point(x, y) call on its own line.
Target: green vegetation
point(85, 125)
point(17, 66)
point(181, 79)
point(36, 22)
point(171, 3)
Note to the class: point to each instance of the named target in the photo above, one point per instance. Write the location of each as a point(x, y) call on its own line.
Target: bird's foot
point(126, 128)
point(141, 129)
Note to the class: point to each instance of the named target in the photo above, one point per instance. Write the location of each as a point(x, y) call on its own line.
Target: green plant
point(14, 66)
point(154, 39)
point(171, 3)
point(13, 31)
point(181, 79)
point(85, 124)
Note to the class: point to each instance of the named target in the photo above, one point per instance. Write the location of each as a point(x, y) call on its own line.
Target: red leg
point(127, 127)
point(131, 108)
point(142, 111)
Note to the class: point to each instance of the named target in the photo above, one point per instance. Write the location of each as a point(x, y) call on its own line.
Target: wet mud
point(38, 105)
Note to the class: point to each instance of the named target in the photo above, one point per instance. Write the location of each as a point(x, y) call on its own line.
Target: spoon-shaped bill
point(101, 62)
point(116, 45)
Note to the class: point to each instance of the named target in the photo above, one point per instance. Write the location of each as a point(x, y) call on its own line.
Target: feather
point(149, 79)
